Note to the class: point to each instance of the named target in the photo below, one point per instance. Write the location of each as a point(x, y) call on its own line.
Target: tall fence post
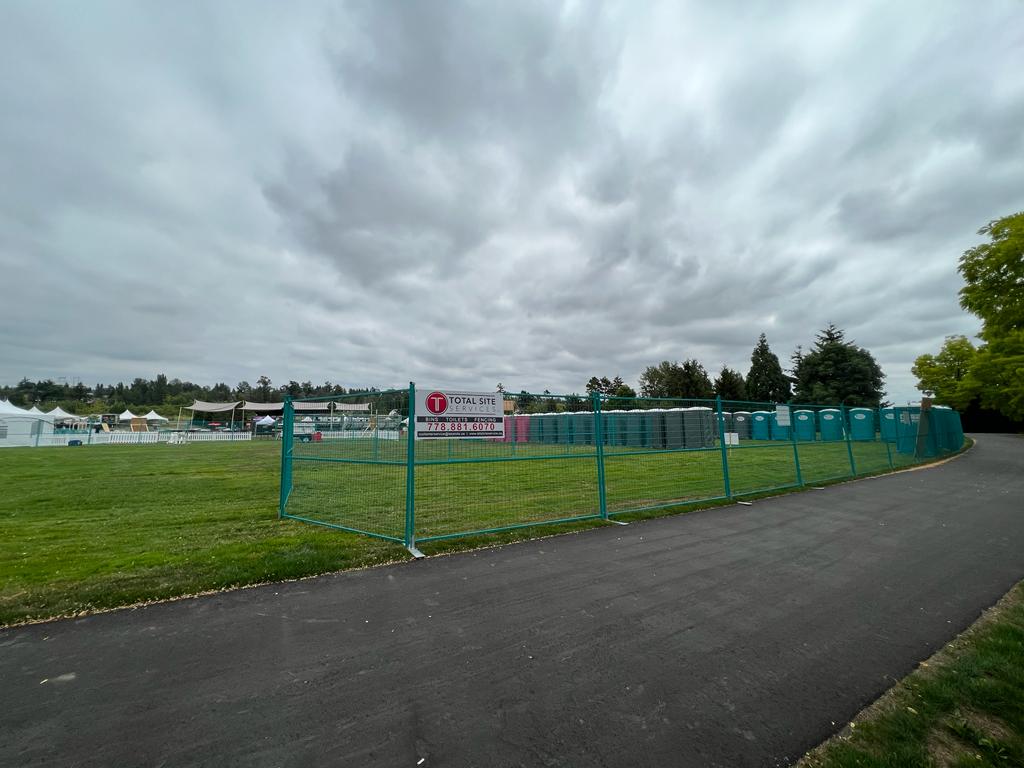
point(595, 407)
point(724, 448)
point(849, 443)
point(796, 449)
point(410, 477)
point(881, 436)
point(287, 438)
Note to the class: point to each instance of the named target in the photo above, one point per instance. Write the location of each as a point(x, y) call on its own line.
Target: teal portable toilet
point(741, 424)
point(622, 434)
point(701, 427)
point(780, 432)
point(636, 433)
point(803, 423)
point(760, 425)
point(582, 429)
point(657, 416)
point(536, 428)
point(674, 429)
point(862, 424)
point(888, 424)
point(728, 422)
point(907, 423)
point(830, 422)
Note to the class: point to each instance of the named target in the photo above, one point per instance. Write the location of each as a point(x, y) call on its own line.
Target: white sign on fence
point(443, 414)
point(782, 415)
point(732, 438)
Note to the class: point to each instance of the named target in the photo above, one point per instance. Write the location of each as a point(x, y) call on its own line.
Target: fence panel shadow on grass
point(349, 462)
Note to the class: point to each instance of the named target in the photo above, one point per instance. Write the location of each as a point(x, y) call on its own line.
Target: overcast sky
point(466, 193)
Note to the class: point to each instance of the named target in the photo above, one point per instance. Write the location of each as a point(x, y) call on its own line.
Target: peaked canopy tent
point(35, 411)
point(126, 416)
point(59, 414)
point(204, 407)
point(154, 416)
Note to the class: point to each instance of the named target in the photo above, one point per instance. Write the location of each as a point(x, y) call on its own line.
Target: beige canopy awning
point(199, 405)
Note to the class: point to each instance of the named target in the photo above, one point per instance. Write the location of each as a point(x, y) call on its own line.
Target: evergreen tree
point(765, 380)
point(838, 371)
point(730, 385)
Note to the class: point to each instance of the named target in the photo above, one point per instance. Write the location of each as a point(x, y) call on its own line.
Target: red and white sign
point(445, 415)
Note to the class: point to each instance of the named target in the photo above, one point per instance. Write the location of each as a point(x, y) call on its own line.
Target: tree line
point(161, 394)
point(988, 378)
point(833, 372)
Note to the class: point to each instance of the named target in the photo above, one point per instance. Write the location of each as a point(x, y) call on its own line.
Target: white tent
point(35, 411)
point(60, 414)
point(127, 415)
point(154, 416)
point(266, 421)
point(21, 427)
point(7, 407)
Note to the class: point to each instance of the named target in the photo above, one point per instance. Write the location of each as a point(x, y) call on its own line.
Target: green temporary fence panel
point(779, 432)
point(887, 425)
point(760, 425)
point(551, 426)
point(741, 424)
point(674, 428)
point(709, 426)
point(862, 424)
point(830, 423)
point(804, 425)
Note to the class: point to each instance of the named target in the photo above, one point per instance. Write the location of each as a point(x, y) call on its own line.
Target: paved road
point(734, 637)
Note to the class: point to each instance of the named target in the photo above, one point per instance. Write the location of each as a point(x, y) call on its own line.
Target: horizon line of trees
point(833, 372)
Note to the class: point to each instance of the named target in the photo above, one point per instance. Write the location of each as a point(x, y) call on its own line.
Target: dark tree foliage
point(688, 379)
point(765, 380)
point(838, 371)
point(730, 385)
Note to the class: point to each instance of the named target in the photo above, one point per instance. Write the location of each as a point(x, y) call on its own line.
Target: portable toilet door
point(803, 422)
point(741, 424)
point(536, 428)
point(830, 422)
point(657, 428)
point(779, 432)
point(674, 434)
point(728, 423)
point(522, 429)
point(693, 435)
point(760, 428)
point(887, 425)
point(634, 428)
point(862, 424)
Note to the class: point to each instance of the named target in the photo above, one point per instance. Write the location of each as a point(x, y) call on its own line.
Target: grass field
point(963, 707)
point(93, 528)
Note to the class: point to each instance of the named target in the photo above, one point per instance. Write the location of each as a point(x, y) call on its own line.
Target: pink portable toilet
point(522, 429)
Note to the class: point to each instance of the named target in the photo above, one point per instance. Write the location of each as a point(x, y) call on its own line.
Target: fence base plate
point(415, 553)
point(616, 522)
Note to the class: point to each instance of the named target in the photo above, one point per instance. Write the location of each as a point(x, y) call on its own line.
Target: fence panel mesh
point(346, 460)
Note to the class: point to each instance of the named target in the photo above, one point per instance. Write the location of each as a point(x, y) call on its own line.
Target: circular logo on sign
point(437, 402)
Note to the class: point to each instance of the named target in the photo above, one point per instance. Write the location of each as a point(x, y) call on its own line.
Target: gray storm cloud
point(465, 193)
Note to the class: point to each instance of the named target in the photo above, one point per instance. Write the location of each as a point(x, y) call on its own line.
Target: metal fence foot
point(616, 522)
point(415, 552)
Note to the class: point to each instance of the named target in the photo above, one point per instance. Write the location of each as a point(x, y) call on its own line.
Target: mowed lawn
point(98, 527)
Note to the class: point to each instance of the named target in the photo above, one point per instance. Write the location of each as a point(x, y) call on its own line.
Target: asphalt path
point(738, 636)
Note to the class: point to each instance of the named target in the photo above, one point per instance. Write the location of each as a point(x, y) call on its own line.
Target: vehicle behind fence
point(350, 462)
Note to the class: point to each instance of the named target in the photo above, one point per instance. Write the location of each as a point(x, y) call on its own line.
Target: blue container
point(862, 424)
point(780, 432)
point(804, 424)
point(830, 422)
point(888, 425)
point(741, 424)
point(760, 425)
